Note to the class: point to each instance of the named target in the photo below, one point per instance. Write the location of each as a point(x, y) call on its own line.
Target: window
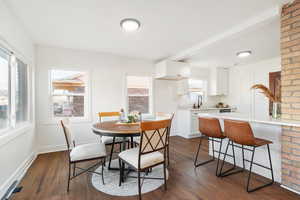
point(197, 88)
point(13, 91)
point(21, 92)
point(4, 90)
point(139, 94)
point(69, 93)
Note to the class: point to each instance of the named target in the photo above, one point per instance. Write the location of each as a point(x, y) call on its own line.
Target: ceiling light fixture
point(130, 24)
point(243, 54)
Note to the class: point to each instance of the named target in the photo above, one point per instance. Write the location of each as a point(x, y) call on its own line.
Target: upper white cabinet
point(219, 81)
point(182, 87)
point(172, 70)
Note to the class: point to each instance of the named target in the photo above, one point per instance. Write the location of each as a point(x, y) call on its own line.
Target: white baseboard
point(174, 133)
point(52, 148)
point(189, 136)
point(196, 135)
point(290, 189)
point(60, 147)
point(18, 174)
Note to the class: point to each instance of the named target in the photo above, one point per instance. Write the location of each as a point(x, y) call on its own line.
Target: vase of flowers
point(276, 111)
point(134, 117)
point(275, 99)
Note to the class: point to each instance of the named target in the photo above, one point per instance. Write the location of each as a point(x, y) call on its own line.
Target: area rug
point(130, 186)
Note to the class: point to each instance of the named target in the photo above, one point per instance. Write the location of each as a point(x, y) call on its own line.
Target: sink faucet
point(200, 98)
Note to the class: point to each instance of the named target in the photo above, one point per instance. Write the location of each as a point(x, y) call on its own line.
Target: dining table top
point(116, 128)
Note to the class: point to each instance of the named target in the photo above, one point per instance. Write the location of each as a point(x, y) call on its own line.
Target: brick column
point(290, 62)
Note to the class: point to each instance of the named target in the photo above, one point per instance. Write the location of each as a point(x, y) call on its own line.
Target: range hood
point(172, 70)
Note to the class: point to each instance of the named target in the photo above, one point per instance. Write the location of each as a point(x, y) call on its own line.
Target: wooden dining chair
point(171, 116)
point(82, 153)
point(111, 141)
point(154, 136)
point(161, 115)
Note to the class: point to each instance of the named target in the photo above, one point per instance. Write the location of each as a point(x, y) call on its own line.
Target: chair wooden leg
point(69, 177)
point(111, 152)
point(139, 185)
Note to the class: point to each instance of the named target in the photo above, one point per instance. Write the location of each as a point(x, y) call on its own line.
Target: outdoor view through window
point(4, 92)
point(68, 93)
point(139, 94)
point(13, 91)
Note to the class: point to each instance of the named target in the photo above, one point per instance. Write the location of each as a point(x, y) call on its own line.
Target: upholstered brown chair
point(150, 153)
point(241, 133)
point(210, 128)
point(82, 153)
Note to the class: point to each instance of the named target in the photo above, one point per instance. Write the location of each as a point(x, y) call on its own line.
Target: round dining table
point(117, 129)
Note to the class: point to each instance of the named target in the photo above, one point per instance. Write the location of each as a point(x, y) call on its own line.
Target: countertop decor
point(276, 112)
point(245, 117)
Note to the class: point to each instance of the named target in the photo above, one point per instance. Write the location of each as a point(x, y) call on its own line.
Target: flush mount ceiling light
point(243, 54)
point(130, 24)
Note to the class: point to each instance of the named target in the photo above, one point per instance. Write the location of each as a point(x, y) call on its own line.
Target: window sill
point(10, 134)
point(57, 121)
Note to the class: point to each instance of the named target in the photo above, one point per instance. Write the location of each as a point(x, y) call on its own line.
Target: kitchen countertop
point(248, 118)
point(208, 108)
point(205, 108)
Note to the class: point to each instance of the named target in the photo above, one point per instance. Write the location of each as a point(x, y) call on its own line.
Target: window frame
point(87, 96)
point(151, 95)
point(13, 126)
point(205, 89)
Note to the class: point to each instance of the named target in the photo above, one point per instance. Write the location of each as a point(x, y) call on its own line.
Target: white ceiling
point(262, 40)
point(168, 26)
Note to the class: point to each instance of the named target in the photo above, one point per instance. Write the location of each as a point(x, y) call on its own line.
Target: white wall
point(17, 149)
point(108, 85)
point(241, 78)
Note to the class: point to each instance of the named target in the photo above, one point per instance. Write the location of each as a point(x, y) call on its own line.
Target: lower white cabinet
point(188, 123)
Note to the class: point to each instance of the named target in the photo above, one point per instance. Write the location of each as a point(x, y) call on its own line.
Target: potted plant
point(275, 99)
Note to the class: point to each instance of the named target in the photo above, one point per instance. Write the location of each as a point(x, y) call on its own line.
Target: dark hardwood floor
point(47, 179)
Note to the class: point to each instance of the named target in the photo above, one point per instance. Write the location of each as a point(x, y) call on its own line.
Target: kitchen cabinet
point(172, 70)
point(188, 121)
point(219, 78)
point(182, 87)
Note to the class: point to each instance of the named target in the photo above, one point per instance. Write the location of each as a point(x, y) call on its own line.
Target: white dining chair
point(82, 153)
point(160, 116)
point(154, 136)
